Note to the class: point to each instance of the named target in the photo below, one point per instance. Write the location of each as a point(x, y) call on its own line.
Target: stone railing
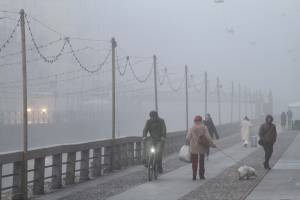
point(68, 164)
point(54, 167)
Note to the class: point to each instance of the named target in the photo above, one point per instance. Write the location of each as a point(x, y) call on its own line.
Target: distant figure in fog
point(267, 138)
point(283, 119)
point(290, 119)
point(208, 122)
point(245, 131)
point(199, 140)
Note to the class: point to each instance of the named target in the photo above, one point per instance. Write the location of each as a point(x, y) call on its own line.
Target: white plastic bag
point(184, 154)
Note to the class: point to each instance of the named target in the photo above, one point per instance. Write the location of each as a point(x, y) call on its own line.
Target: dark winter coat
point(268, 133)
point(211, 127)
point(156, 128)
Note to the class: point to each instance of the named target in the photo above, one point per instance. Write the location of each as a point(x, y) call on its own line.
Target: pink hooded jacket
point(193, 138)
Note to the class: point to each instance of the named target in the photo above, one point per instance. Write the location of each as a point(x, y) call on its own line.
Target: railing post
point(57, 171)
point(84, 165)
point(38, 176)
point(138, 151)
point(124, 155)
point(117, 157)
point(70, 171)
point(17, 180)
point(0, 178)
point(97, 166)
point(131, 153)
point(107, 159)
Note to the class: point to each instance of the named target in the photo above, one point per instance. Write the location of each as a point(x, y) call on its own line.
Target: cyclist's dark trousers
point(160, 147)
point(195, 158)
point(268, 148)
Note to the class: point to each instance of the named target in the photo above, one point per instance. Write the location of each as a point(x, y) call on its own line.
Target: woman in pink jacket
point(199, 140)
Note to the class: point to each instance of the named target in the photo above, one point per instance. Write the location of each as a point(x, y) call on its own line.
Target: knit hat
point(197, 118)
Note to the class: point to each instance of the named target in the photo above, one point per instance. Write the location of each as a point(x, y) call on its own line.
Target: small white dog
point(245, 172)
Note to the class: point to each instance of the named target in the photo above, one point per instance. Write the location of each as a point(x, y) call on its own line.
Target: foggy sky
point(252, 42)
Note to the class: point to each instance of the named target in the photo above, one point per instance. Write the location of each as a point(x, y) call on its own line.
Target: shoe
point(202, 177)
point(267, 166)
point(194, 178)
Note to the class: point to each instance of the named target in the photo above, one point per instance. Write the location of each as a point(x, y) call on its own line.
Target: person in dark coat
point(268, 136)
point(158, 132)
point(290, 119)
point(208, 122)
point(283, 119)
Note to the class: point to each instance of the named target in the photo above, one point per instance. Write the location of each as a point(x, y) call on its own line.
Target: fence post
point(117, 157)
point(186, 98)
point(57, 171)
point(124, 154)
point(38, 176)
point(70, 172)
point(84, 165)
point(97, 167)
point(107, 159)
point(131, 153)
point(24, 192)
point(138, 152)
point(17, 180)
point(0, 178)
point(219, 100)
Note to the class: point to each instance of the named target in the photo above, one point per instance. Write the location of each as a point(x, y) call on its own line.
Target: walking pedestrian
point(211, 127)
point(199, 140)
point(268, 136)
point(245, 131)
point(283, 119)
point(213, 132)
point(290, 119)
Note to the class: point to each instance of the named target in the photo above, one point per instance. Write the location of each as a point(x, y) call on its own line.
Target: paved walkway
point(283, 181)
point(179, 182)
point(118, 182)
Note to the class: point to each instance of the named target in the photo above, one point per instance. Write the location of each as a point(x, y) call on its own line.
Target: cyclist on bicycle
point(157, 128)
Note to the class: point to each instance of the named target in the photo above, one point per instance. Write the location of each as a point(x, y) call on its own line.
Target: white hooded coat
point(245, 131)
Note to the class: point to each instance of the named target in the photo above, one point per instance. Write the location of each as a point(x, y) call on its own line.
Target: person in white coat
point(246, 130)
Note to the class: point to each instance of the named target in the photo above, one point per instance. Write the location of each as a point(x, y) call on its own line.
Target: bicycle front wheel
point(150, 168)
point(155, 168)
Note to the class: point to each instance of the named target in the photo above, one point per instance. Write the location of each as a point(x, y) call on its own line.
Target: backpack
point(203, 141)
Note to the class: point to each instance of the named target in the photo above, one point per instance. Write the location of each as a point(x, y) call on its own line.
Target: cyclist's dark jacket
point(156, 128)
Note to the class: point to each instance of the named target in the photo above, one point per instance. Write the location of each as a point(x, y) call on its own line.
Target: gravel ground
point(103, 190)
point(226, 185)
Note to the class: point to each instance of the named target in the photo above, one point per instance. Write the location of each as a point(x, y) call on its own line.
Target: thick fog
point(253, 43)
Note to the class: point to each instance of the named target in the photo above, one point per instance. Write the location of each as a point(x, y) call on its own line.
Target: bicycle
point(152, 163)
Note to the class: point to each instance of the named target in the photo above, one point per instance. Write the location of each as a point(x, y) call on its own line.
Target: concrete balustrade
point(93, 160)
